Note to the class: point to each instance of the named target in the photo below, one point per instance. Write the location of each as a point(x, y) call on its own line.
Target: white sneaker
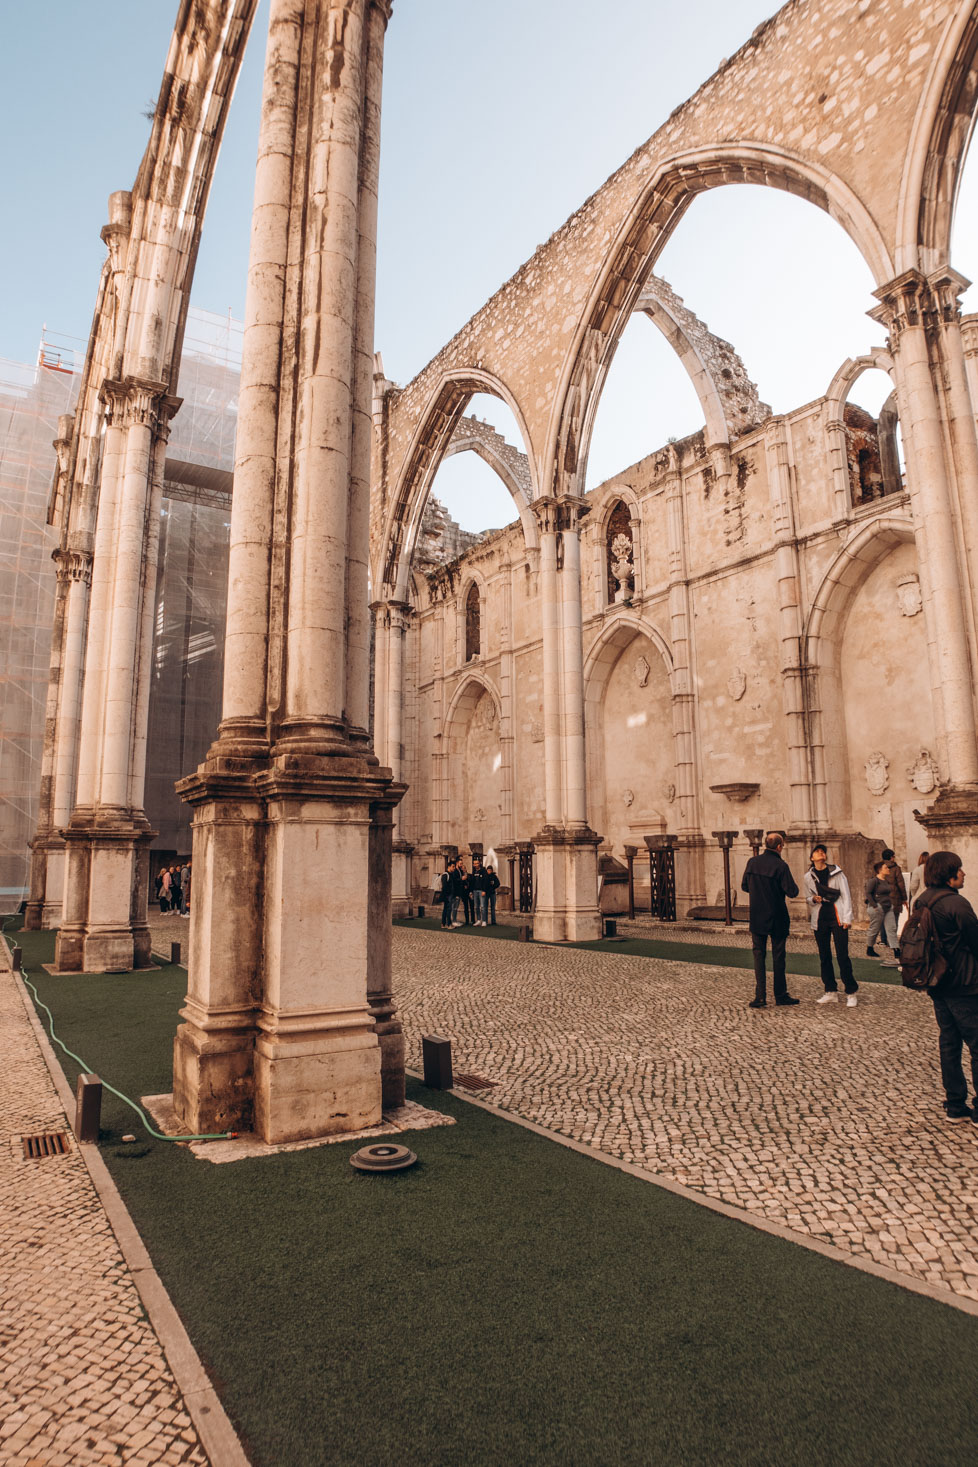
point(851, 1001)
point(828, 997)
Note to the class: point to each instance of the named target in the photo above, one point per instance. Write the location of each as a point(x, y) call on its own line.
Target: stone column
point(289, 1023)
point(937, 422)
point(104, 920)
point(906, 303)
point(566, 849)
point(793, 686)
point(690, 849)
point(398, 619)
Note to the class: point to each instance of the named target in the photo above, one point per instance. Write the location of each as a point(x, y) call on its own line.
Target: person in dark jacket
point(955, 997)
point(445, 894)
point(768, 882)
point(460, 893)
point(492, 888)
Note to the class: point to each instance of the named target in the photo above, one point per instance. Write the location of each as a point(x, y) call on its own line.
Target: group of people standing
point(936, 883)
point(473, 891)
point(173, 889)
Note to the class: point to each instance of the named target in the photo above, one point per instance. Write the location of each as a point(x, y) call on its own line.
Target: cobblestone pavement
point(824, 1119)
point(83, 1378)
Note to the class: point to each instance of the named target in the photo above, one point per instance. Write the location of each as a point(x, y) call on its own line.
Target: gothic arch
point(938, 146)
point(821, 646)
point(608, 646)
point(618, 633)
point(837, 393)
point(471, 436)
point(726, 394)
point(429, 446)
point(641, 238)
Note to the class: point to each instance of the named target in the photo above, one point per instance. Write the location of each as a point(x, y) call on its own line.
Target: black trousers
point(957, 1019)
point(827, 932)
point(446, 911)
point(759, 944)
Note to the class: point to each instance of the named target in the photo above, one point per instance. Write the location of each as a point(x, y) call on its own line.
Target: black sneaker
point(871, 952)
point(757, 1003)
point(958, 1112)
point(787, 1001)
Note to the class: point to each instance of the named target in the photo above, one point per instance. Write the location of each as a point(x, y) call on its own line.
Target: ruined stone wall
point(822, 100)
point(857, 688)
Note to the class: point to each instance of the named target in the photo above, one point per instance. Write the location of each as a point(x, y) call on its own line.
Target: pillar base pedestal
point(103, 927)
point(45, 902)
point(951, 824)
point(566, 872)
point(402, 904)
point(308, 835)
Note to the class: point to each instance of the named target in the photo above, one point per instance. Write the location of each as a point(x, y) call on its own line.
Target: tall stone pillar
point(566, 861)
point(398, 618)
point(793, 685)
point(103, 925)
point(941, 476)
point(74, 578)
point(690, 849)
point(289, 1023)
point(907, 303)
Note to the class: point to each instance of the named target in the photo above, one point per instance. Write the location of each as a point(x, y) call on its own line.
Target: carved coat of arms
point(642, 670)
point(877, 773)
point(909, 598)
point(924, 774)
point(737, 684)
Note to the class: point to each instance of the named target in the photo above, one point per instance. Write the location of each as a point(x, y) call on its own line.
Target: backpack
point(922, 963)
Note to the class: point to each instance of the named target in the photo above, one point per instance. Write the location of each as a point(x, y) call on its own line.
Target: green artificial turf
point(866, 970)
point(507, 1301)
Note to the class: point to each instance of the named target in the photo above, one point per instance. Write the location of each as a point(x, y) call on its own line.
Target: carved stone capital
point(73, 565)
point(915, 299)
point(564, 514)
point(135, 402)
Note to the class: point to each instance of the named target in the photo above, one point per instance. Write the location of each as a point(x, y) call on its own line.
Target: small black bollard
point(420, 911)
point(16, 957)
point(436, 1054)
point(525, 933)
point(174, 952)
point(88, 1107)
point(610, 927)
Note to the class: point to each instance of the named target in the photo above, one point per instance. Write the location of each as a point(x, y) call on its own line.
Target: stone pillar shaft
point(290, 1025)
point(903, 312)
point(252, 510)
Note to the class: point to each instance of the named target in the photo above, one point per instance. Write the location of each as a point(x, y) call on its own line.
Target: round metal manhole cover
point(382, 1158)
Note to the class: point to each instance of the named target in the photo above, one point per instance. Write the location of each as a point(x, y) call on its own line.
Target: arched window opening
point(620, 554)
point(473, 623)
point(873, 446)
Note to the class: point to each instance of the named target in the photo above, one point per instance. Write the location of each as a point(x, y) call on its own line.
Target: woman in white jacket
point(830, 912)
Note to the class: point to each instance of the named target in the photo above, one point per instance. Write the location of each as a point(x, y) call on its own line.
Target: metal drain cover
point(382, 1158)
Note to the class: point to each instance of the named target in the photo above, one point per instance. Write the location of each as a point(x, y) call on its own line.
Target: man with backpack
point(939, 953)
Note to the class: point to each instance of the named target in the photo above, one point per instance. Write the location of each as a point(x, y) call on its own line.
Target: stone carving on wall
point(909, 598)
point(622, 567)
point(737, 684)
point(479, 814)
point(485, 714)
point(536, 731)
point(877, 773)
point(642, 670)
point(670, 793)
point(629, 797)
point(924, 774)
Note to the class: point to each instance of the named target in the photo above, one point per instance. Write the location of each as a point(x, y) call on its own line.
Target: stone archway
point(473, 800)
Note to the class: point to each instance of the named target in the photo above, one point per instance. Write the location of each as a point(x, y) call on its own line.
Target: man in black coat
point(956, 995)
point(768, 882)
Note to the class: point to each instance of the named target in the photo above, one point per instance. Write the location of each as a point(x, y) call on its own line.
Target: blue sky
point(499, 120)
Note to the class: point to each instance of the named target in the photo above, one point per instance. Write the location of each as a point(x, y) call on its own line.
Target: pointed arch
point(938, 146)
point(821, 646)
point(641, 238)
point(429, 446)
point(607, 647)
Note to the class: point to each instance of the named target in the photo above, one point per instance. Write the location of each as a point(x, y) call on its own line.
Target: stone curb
point(736, 1214)
point(217, 1436)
